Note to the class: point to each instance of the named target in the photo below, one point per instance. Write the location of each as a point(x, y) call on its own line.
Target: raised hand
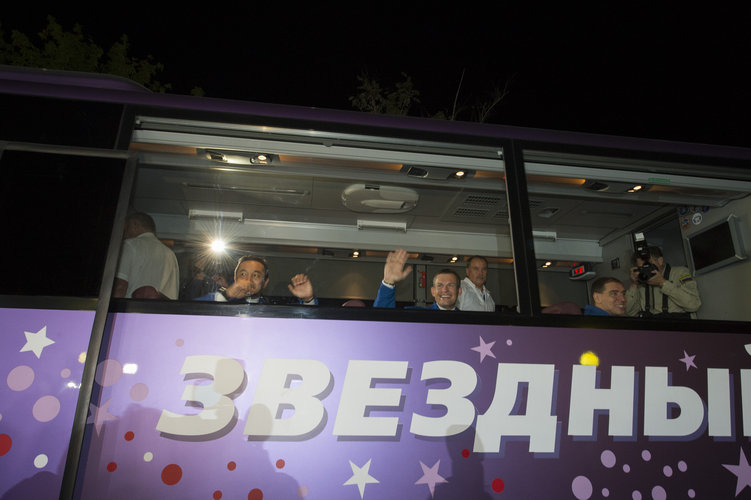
point(394, 270)
point(301, 287)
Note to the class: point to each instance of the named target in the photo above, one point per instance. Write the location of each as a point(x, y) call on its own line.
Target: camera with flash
point(641, 250)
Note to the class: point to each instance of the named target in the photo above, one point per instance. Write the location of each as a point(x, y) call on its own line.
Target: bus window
point(330, 212)
point(66, 200)
point(586, 212)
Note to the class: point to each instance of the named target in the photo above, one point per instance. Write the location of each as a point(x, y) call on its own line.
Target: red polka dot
point(217, 495)
point(231, 465)
point(5, 444)
point(280, 464)
point(255, 494)
point(172, 474)
point(498, 485)
point(111, 467)
point(129, 436)
point(465, 453)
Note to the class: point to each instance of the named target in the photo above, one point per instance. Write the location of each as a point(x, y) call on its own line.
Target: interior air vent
point(417, 172)
point(442, 173)
point(482, 200)
point(372, 198)
point(470, 212)
point(614, 187)
point(548, 212)
point(596, 186)
point(248, 190)
point(535, 203)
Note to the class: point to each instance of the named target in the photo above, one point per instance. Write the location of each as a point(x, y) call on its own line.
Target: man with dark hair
point(147, 268)
point(251, 277)
point(608, 298)
point(445, 289)
point(475, 297)
point(668, 292)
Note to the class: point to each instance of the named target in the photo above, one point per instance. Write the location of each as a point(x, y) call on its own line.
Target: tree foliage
point(372, 97)
point(55, 48)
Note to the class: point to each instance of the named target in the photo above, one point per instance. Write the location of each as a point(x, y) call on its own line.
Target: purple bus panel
point(42, 354)
point(246, 407)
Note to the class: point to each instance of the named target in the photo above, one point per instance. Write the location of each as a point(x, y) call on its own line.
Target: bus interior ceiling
point(315, 198)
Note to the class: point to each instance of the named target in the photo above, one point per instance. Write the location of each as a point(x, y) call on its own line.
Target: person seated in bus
point(658, 290)
point(608, 298)
point(474, 296)
point(147, 267)
point(251, 278)
point(207, 277)
point(445, 290)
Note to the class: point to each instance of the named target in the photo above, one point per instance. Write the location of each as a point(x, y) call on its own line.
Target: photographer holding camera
point(657, 290)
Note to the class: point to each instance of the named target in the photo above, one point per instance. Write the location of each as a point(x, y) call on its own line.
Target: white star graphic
point(484, 349)
point(35, 342)
point(99, 415)
point(688, 360)
point(430, 477)
point(361, 477)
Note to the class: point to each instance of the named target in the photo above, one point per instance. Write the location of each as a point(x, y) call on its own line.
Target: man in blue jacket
point(445, 289)
point(609, 297)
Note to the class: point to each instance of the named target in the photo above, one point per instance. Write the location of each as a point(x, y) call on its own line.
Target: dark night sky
point(631, 69)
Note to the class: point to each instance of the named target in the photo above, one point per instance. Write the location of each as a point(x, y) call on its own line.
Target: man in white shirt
point(147, 267)
point(475, 297)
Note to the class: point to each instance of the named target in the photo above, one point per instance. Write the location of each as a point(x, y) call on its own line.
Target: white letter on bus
point(218, 408)
point(358, 395)
point(537, 423)
point(657, 397)
point(746, 401)
point(718, 402)
point(274, 393)
point(586, 398)
point(460, 412)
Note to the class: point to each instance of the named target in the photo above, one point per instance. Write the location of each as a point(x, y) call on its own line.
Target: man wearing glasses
point(445, 289)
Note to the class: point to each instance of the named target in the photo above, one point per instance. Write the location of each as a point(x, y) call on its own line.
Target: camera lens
point(646, 272)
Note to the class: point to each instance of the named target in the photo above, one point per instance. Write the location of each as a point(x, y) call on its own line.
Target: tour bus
point(104, 397)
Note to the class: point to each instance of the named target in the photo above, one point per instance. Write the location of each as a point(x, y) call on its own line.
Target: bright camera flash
point(218, 246)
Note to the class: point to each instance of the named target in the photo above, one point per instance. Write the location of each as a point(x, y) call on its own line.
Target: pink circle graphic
point(20, 378)
point(108, 372)
point(46, 408)
point(65, 373)
point(607, 458)
point(581, 487)
point(139, 392)
point(659, 493)
point(302, 491)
